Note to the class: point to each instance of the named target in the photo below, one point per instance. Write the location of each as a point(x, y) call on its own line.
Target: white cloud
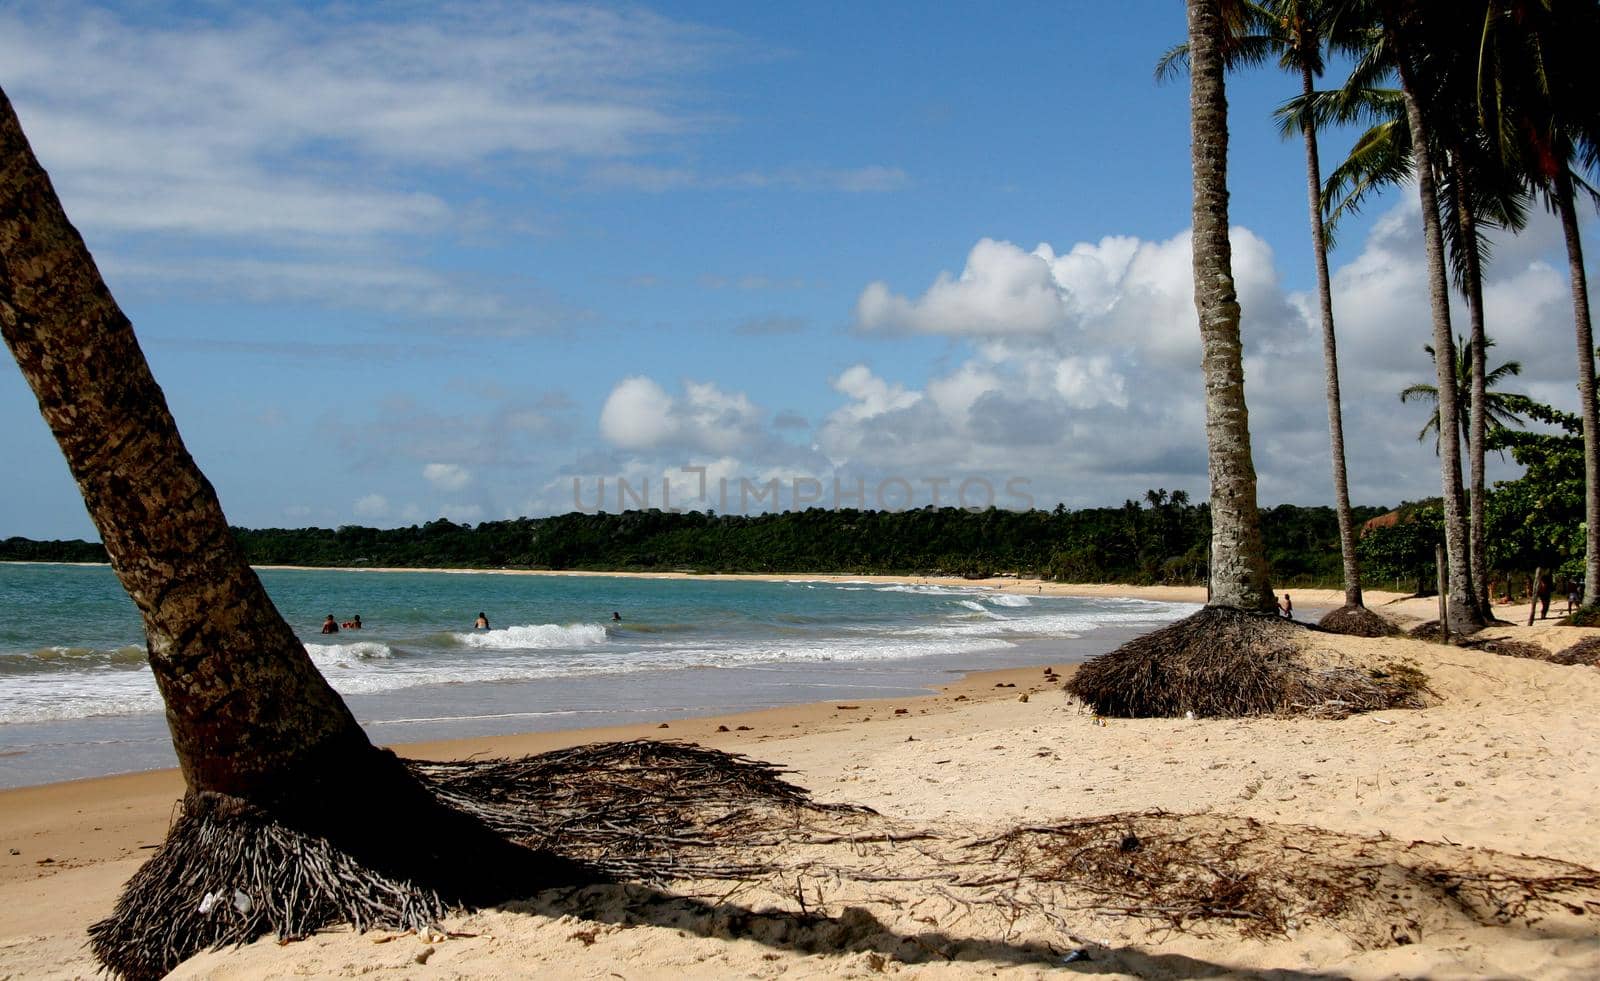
point(456, 86)
point(640, 415)
point(636, 415)
point(373, 507)
point(1002, 290)
point(1105, 396)
point(447, 476)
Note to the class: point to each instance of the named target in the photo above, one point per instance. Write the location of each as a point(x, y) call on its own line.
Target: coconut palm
point(1501, 409)
point(1536, 101)
point(1398, 38)
point(1475, 192)
point(260, 736)
point(1296, 33)
point(1239, 577)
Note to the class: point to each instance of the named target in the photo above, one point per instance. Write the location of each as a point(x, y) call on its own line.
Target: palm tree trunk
point(1478, 422)
point(1330, 358)
point(1239, 568)
point(246, 707)
point(1461, 611)
point(255, 726)
point(1586, 389)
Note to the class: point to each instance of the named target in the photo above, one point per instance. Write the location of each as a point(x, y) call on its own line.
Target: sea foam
point(536, 637)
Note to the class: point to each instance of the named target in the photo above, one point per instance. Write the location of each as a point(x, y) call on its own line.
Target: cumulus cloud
point(447, 476)
point(640, 415)
point(1002, 290)
point(1077, 371)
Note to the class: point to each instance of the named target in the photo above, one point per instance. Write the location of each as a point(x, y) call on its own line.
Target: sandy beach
point(1505, 763)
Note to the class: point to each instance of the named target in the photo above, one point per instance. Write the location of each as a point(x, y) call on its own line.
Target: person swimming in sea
point(330, 625)
point(354, 623)
point(616, 617)
point(482, 622)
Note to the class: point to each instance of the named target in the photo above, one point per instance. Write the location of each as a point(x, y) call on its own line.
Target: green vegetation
point(1534, 522)
point(1162, 539)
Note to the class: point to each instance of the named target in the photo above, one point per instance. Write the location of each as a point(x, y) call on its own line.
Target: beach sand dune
point(1504, 766)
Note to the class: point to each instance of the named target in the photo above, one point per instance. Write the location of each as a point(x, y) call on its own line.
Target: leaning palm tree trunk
point(1587, 409)
point(1330, 356)
point(213, 634)
point(1239, 568)
point(260, 736)
point(1461, 612)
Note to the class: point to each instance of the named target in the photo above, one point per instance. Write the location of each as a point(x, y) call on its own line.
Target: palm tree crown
point(1502, 409)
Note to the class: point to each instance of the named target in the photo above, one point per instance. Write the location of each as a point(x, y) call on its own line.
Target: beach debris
point(16, 851)
point(902, 711)
point(643, 810)
point(1022, 697)
point(1075, 956)
point(663, 726)
point(1584, 652)
point(423, 955)
point(1198, 871)
point(208, 902)
point(847, 708)
point(242, 902)
point(741, 728)
point(1357, 621)
point(722, 728)
point(1227, 663)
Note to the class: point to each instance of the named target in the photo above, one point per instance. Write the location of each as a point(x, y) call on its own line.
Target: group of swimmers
point(331, 626)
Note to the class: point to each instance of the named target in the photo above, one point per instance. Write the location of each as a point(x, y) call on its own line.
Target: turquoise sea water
point(77, 698)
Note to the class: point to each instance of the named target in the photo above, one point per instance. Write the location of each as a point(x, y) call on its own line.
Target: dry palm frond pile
point(230, 872)
point(1227, 663)
point(1508, 648)
point(1357, 621)
point(1586, 651)
point(641, 810)
point(1268, 880)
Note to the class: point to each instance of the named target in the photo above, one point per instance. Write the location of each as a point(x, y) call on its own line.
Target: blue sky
point(401, 261)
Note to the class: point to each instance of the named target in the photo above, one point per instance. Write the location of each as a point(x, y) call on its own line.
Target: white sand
point(1509, 759)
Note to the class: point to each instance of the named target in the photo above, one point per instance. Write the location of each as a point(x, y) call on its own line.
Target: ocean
point(77, 698)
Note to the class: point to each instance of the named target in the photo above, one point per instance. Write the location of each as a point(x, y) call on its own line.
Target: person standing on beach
point(1545, 588)
point(330, 626)
point(482, 622)
point(1286, 607)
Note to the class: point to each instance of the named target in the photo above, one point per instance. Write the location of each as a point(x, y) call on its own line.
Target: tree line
point(1161, 538)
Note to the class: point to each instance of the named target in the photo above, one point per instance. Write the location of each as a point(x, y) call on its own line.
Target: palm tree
point(256, 728)
point(1304, 29)
point(1536, 101)
point(1399, 33)
point(1501, 409)
point(1475, 191)
point(1297, 32)
point(1239, 578)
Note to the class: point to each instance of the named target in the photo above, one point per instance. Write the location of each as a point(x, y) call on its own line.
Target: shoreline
point(1011, 584)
